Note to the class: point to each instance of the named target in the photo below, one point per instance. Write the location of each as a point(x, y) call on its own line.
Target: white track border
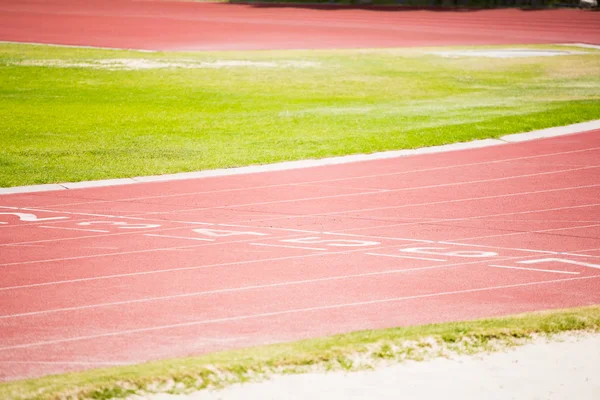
point(514, 138)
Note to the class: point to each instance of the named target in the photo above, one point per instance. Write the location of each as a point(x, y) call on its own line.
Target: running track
point(105, 276)
point(124, 274)
point(155, 25)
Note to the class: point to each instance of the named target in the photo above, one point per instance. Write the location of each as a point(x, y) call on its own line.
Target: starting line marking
point(535, 269)
point(287, 246)
point(179, 237)
point(397, 256)
point(74, 229)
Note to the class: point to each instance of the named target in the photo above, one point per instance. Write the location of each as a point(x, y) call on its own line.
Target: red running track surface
point(125, 274)
point(156, 25)
point(120, 275)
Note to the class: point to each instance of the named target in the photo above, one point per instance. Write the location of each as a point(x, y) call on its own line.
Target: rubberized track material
point(156, 25)
point(117, 275)
point(124, 274)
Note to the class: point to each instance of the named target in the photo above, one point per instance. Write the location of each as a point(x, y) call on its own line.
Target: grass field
point(81, 114)
point(339, 352)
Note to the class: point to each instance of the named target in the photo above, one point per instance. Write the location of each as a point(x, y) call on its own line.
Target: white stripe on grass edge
point(284, 166)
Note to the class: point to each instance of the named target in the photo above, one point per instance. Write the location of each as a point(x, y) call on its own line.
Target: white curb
point(515, 138)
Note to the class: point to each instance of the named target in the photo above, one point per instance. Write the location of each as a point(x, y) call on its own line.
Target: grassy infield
point(147, 122)
point(127, 123)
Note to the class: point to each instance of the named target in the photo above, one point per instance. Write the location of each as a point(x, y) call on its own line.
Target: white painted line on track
point(484, 216)
point(287, 246)
point(346, 195)
point(197, 267)
point(286, 312)
point(591, 125)
point(341, 232)
point(179, 237)
point(287, 216)
point(526, 232)
point(70, 229)
point(236, 289)
point(410, 257)
point(184, 247)
point(113, 234)
point(535, 269)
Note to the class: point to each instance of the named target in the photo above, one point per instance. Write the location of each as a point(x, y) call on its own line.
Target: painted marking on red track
point(179, 237)
point(535, 269)
point(287, 246)
point(442, 168)
point(292, 311)
point(75, 288)
point(408, 257)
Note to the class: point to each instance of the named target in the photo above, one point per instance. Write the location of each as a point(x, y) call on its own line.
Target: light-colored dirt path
point(565, 369)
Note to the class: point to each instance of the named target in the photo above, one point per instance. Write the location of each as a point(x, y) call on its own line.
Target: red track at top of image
point(156, 25)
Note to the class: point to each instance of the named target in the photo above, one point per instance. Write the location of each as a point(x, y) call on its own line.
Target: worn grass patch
point(354, 351)
point(73, 114)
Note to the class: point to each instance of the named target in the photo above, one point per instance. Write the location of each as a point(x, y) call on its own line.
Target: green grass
point(339, 352)
point(79, 123)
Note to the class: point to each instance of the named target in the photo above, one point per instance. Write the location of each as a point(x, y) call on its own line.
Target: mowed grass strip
point(354, 351)
point(71, 115)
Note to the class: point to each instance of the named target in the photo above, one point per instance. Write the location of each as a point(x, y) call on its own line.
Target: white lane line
point(297, 216)
point(167, 270)
point(518, 249)
point(346, 195)
point(236, 289)
point(445, 167)
point(233, 206)
point(179, 237)
point(196, 267)
point(535, 269)
point(285, 312)
point(443, 220)
point(433, 203)
point(341, 233)
point(125, 253)
point(287, 246)
point(72, 229)
point(399, 256)
point(526, 232)
point(129, 232)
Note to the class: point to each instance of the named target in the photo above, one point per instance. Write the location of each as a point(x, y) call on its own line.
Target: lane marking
point(399, 256)
point(535, 269)
point(287, 246)
point(518, 249)
point(444, 220)
point(294, 216)
point(342, 232)
point(231, 290)
point(124, 253)
point(236, 206)
point(69, 229)
point(285, 312)
point(113, 234)
point(445, 167)
point(536, 231)
point(178, 237)
point(195, 267)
